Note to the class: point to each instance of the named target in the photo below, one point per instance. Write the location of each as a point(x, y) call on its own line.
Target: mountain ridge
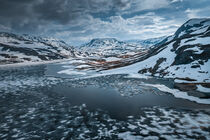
point(25, 48)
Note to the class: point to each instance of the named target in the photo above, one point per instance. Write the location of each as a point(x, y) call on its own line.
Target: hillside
point(24, 48)
point(183, 57)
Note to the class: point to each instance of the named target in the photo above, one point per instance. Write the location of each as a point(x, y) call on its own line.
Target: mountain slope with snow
point(186, 55)
point(24, 48)
point(183, 56)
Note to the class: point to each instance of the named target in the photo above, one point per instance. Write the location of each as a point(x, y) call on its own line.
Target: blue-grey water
point(38, 103)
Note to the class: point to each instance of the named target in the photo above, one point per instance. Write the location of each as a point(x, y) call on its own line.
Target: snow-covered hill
point(185, 56)
point(24, 48)
point(109, 47)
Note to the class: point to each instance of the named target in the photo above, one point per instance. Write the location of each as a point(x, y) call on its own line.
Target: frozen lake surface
point(39, 102)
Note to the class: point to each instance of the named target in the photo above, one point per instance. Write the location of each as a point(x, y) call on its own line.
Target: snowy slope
point(21, 48)
point(183, 56)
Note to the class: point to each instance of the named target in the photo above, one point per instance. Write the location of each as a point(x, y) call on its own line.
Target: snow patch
point(112, 59)
point(203, 89)
point(71, 72)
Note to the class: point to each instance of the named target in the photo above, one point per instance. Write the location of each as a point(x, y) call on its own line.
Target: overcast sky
point(78, 21)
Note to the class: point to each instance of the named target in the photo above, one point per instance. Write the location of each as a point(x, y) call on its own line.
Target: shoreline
point(32, 63)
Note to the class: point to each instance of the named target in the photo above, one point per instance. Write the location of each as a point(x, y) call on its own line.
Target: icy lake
point(39, 102)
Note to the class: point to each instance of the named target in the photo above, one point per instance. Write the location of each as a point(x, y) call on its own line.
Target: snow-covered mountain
point(147, 43)
point(185, 56)
point(108, 47)
point(24, 48)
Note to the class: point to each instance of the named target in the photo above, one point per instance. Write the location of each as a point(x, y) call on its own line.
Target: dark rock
point(185, 87)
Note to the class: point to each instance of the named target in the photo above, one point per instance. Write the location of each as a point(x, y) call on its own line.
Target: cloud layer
point(78, 21)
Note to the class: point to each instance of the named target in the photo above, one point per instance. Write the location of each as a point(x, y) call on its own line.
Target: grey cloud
point(76, 20)
point(61, 11)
